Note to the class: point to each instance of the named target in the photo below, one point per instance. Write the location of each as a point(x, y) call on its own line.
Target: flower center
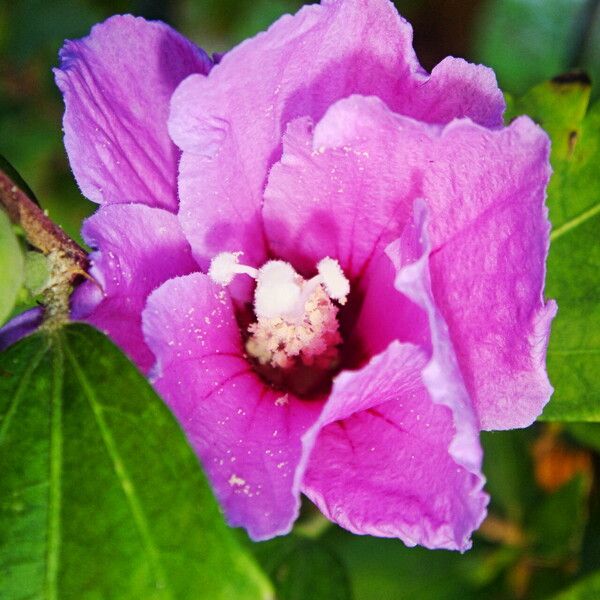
point(296, 328)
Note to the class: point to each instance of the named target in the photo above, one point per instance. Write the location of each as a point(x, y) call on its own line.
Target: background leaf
point(302, 568)
point(508, 470)
point(573, 277)
point(539, 486)
point(385, 569)
point(544, 38)
point(11, 267)
point(558, 521)
point(101, 497)
point(587, 589)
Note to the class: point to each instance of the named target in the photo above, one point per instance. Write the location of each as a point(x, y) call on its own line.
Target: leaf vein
point(16, 399)
point(575, 222)
point(55, 472)
point(125, 481)
point(583, 351)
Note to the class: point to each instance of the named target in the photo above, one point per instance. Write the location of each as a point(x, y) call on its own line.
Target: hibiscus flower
point(329, 262)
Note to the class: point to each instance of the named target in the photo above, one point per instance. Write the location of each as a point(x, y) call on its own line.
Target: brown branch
point(66, 259)
point(40, 231)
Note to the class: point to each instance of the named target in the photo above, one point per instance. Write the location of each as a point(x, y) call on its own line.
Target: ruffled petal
point(247, 435)
point(349, 191)
point(490, 237)
point(137, 249)
point(455, 89)
point(230, 124)
point(321, 199)
point(117, 84)
point(397, 452)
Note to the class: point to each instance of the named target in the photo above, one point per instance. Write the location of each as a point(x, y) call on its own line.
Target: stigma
point(296, 319)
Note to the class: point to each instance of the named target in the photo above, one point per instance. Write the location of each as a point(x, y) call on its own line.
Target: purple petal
point(385, 315)
point(138, 248)
point(386, 470)
point(347, 193)
point(490, 238)
point(20, 326)
point(455, 89)
point(247, 435)
point(320, 202)
point(230, 123)
point(398, 454)
point(117, 84)
point(411, 256)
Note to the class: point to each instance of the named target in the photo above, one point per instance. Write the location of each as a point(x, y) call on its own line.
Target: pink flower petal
point(385, 315)
point(490, 238)
point(455, 89)
point(117, 84)
point(138, 249)
point(247, 435)
point(348, 192)
point(397, 452)
point(230, 124)
point(322, 198)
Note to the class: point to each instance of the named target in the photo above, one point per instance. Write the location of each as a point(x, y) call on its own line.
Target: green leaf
point(101, 497)
point(303, 568)
point(586, 589)
point(574, 262)
point(542, 37)
point(11, 267)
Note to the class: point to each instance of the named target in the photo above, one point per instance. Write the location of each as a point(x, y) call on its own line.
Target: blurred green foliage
point(529, 41)
point(543, 533)
point(588, 589)
point(303, 568)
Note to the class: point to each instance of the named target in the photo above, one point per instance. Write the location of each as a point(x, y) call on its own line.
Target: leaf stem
point(67, 260)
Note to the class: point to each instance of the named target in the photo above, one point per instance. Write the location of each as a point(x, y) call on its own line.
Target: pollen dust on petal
point(234, 480)
point(282, 400)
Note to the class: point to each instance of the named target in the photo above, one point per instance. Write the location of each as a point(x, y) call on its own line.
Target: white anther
point(225, 266)
point(296, 321)
point(278, 292)
point(336, 284)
